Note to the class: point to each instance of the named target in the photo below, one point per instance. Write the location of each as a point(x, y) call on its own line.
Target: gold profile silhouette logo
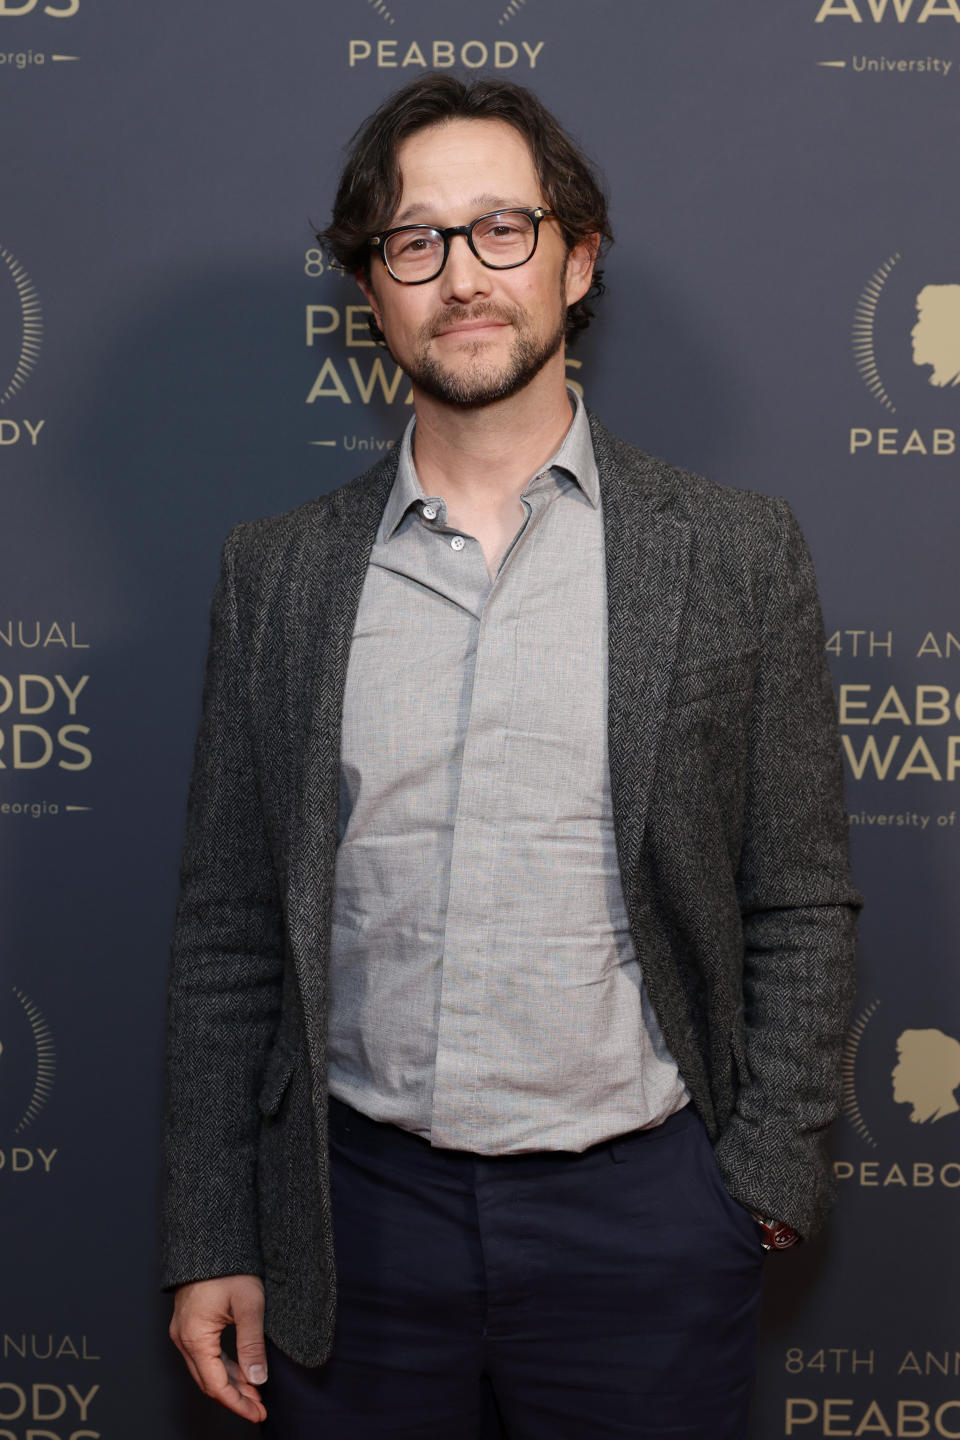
point(927, 1074)
point(936, 335)
point(30, 317)
point(923, 1068)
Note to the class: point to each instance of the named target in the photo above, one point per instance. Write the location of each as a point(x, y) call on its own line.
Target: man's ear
point(363, 280)
point(580, 262)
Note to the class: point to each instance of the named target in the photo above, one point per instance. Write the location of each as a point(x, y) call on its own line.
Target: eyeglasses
point(501, 240)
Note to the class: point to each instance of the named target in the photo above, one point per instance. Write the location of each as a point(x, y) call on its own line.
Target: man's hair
point(370, 186)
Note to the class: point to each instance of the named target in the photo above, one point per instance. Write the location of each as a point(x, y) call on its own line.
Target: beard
point(479, 381)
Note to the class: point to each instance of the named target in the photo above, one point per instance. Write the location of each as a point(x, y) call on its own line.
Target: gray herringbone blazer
point(731, 833)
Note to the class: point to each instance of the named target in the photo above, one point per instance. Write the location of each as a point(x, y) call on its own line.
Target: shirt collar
point(574, 456)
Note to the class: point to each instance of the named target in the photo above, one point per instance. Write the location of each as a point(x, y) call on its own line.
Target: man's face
point(475, 335)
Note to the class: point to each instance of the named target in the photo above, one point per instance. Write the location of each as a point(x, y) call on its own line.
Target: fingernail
point(257, 1374)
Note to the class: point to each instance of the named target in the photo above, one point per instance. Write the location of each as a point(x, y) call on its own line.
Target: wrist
point(775, 1234)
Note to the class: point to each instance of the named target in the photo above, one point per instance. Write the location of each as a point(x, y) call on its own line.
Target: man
point(514, 948)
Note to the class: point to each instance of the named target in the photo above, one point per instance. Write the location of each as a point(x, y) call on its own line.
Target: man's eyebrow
point(479, 204)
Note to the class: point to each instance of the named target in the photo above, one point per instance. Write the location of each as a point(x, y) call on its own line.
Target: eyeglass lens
point(500, 240)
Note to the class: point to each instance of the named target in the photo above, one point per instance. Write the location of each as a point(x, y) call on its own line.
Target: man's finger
point(251, 1351)
point(215, 1380)
point(211, 1371)
point(239, 1380)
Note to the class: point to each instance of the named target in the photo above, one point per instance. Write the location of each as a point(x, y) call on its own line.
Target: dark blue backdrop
point(174, 358)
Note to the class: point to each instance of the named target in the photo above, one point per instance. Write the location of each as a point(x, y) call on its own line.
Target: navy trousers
point(552, 1296)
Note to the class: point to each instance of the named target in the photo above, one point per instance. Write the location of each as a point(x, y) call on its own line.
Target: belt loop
point(617, 1152)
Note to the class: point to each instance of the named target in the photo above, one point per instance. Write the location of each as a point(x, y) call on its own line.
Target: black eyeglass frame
point(536, 214)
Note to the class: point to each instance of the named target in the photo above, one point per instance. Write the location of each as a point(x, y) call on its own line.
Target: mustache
point(467, 314)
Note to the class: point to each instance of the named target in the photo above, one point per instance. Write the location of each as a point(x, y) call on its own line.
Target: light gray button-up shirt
point(485, 992)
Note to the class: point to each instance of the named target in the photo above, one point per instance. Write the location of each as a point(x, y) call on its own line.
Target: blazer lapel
point(323, 597)
point(647, 561)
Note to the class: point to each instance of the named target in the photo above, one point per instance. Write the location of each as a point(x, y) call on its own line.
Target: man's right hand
point(201, 1311)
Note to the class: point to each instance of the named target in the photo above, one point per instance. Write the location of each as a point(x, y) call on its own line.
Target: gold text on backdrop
point(899, 10)
point(63, 11)
point(443, 54)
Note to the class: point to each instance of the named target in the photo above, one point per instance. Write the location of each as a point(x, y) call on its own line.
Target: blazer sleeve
point(798, 906)
point(225, 978)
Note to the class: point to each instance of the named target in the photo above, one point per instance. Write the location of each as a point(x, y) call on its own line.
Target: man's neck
point(480, 460)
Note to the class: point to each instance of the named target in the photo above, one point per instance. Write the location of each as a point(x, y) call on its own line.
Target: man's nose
point(463, 277)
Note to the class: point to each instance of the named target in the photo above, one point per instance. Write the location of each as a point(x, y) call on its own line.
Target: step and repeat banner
point(783, 313)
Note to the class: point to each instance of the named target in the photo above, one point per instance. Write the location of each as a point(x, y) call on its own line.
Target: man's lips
point(470, 327)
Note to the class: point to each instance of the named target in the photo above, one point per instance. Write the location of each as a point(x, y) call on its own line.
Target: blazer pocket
point(275, 1161)
point(720, 675)
point(738, 1050)
point(276, 1080)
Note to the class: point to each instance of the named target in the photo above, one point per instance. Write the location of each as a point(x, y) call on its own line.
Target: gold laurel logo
point(865, 333)
point(378, 8)
point(44, 1057)
point(31, 325)
point(383, 13)
point(848, 1072)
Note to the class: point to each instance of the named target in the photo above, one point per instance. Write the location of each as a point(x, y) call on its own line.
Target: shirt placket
point(471, 951)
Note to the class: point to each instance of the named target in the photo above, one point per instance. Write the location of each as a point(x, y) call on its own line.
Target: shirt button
point(430, 512)
point(457, 543)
